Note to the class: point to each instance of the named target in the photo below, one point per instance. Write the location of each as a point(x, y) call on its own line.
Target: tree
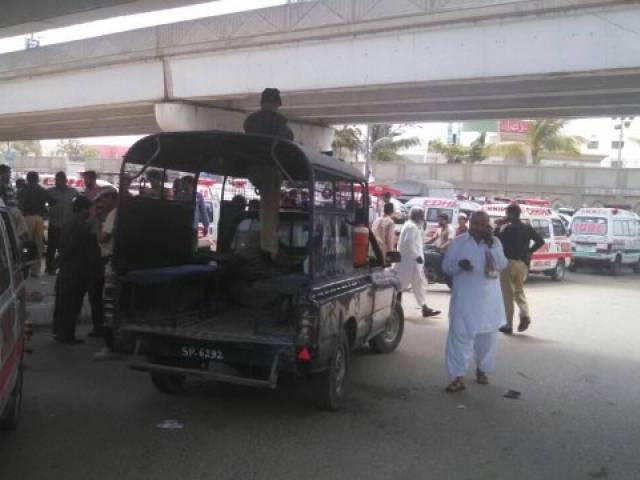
point(75, 150)
point(25, 147)
point(452, 152)
point(347, 138)
point(544, 136)
point(386, 142)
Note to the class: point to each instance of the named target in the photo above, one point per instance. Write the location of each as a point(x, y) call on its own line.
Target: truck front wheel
point(331, 384)
point(388, 341)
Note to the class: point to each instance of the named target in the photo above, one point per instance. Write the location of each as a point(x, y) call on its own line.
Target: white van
point(607, 237)
point(435, 206)
point(553, 258)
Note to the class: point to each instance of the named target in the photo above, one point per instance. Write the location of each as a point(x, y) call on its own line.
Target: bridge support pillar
point(180, 117)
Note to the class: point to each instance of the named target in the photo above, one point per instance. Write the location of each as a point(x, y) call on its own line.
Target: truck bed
point(236, 325)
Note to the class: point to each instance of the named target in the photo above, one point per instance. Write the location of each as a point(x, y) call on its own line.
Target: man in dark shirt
point(79, 266)
point(33, 203)
point(516, 238)
point(267, 120)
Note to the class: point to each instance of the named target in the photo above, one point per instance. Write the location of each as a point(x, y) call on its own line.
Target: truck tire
point(616, 267)
point(168, 382)
point(388, 341)
point(11, 415)
point(559, 272)
point(330, 385)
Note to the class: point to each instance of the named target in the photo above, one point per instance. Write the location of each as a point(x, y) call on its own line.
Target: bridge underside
point(579, 95)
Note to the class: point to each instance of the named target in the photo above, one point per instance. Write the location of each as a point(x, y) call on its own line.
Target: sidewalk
point(41, 299)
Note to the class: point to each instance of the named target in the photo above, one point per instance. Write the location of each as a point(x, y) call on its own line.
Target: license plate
point(585, 248)
point(201, 353)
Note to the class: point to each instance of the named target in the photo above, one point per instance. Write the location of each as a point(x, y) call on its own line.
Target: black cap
point(271, 95)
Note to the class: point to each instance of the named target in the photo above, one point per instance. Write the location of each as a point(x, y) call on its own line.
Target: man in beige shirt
point(384, 230)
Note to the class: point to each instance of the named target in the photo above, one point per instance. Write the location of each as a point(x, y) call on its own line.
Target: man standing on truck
point(384, 230)
point(516, 237)
point(411, 248)
point(268, 121)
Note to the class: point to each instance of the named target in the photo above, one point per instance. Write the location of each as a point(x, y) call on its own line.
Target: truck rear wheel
point(168, 382)
point(388, 341)
point(11, 415)
point(331, 385)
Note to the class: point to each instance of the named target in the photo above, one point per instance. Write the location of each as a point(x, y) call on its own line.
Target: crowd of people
point(487, 267)
point(79, 244)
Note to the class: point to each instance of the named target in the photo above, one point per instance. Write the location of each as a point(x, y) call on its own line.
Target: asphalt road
point(577, 418)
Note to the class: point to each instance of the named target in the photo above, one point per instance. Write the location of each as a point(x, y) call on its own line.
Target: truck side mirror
point(393, 257)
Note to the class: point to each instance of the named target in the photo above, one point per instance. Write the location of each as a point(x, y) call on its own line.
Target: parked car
point(606, 237)
point(240, 315)
point(13, 257)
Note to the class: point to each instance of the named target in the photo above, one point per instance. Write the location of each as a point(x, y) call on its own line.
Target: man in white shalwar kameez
point(411, 248)
point(476, 310)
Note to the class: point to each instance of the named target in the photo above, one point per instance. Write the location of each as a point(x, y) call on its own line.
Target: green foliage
point(476, 152)
point(75, 150)
point(347, 138)
point(386, 142)
point(26, 147)
point(545, 136)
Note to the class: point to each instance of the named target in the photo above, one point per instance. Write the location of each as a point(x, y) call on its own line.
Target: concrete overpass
point(30, 16)
point(337, 61)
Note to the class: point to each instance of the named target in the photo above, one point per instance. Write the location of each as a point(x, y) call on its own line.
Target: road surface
point(578, 416)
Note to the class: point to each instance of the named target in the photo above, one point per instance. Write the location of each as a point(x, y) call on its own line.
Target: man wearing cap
point(409, 270)
point(519, 241)
point(267, 120)
point(463, 227)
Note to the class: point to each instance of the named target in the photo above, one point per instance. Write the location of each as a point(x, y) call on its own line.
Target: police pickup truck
point(239, 314)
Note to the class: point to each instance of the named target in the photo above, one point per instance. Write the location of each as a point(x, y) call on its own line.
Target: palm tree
point(544, 136)
point(386, 142)
point(347, 138)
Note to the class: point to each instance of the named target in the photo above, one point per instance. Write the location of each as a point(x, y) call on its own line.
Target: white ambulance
point(607, 237)
point(553, 258)
point(435, 206)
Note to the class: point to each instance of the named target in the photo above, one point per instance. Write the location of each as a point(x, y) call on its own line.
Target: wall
point(576, 186)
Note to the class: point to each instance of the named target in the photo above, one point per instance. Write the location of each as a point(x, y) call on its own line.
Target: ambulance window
point(432, 214)
point(618, 228)
point(542, 227)
point(558, 228)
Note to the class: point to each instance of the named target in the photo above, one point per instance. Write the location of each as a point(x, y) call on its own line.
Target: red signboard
point(513, 126)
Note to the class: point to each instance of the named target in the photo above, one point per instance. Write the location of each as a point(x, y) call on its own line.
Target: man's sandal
point(482, 378)
point(455, 386)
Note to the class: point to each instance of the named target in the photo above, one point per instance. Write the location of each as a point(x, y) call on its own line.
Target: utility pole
point(624, 122)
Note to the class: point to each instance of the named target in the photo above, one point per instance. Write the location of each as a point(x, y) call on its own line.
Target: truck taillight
point(201, 232)
point(304, 355)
